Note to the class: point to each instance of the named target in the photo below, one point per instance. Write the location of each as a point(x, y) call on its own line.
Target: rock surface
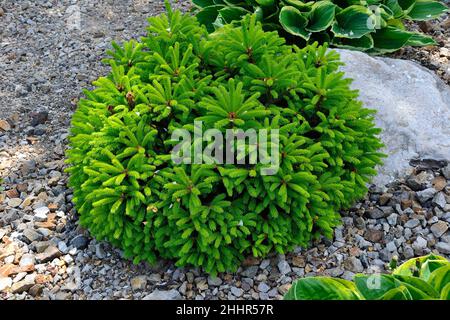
point(163, 295)
point(413, 108)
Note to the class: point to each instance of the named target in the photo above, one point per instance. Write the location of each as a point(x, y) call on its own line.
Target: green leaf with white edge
point(418, 284)
point(399, 293)
point(302, 6)
point(440, 277)
point(409, 266)
point(429, 266)
point(273, 17)
point(385, 12)
point(364, 43)
point(208, 16)
point(322, 288)
point(373, 287)
point(294, 22)
point(445, 292)
point(259, 12)
point(426, 265)
point(321, 16)
point(390, 39)
point(230, 14)
point(395, 8)
point(421, 40)
point(426, 10)
point(353, 22)
point(349, 285)
point(417, 294)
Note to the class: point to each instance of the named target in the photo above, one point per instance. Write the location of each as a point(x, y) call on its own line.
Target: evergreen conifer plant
point(127, 190)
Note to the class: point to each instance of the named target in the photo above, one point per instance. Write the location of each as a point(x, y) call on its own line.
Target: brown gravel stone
point(439, 183)
point(374, 235)
point(298, 261)
point(12, 193)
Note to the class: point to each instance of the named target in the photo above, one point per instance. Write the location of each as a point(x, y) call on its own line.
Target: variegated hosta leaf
point(445, 292)
point(272, 16)
point(321, 16)
point(374, 26)
point(396, 9)
point(426, 10)
point(300, 5)
point(353, 22)
point(418, 40)
point(440, 277)
point(390, 39)
point(426, 290)
point(294, 22)
point(322, 288)
point(208, 15)
point(230, 14)
point(421, 266)
point(373, 287)
point(398, 293)
point(364, 43)
point(422, 278)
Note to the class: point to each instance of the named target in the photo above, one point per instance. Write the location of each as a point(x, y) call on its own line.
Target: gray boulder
point(413, 108)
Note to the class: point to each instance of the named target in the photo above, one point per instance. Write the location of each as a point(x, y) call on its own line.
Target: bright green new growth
point(423, 278)
point(375, 26)
point(128, 191)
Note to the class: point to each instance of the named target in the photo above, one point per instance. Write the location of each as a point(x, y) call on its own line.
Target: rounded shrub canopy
point(128, 190)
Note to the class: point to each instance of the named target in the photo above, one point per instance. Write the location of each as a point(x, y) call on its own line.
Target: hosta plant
point(128, 190)
point(423, 278)
point(375, 26)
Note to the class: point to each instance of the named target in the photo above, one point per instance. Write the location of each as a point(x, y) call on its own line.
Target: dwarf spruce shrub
point(128, 190)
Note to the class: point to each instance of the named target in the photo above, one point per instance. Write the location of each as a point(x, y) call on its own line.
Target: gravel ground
point(46, 57)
